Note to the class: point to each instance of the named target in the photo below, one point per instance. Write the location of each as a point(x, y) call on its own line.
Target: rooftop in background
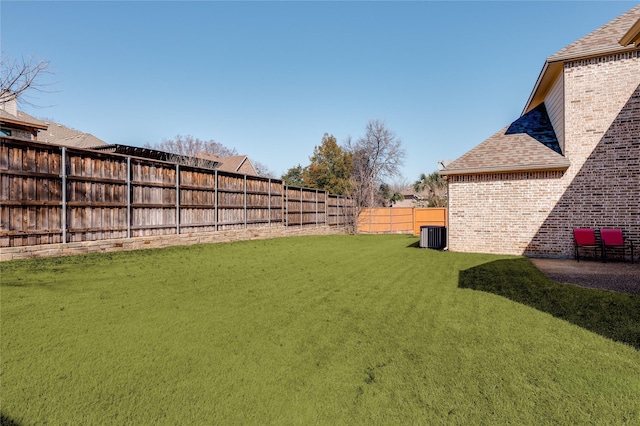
point(58, 134)
point(153, 154)
point(234, 164)
point(13, 120)
point(21, 118)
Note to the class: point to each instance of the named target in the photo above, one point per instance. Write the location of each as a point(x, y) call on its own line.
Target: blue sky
point(270, 78)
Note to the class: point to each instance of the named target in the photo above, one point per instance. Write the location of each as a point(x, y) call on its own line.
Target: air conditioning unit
point(433, 237)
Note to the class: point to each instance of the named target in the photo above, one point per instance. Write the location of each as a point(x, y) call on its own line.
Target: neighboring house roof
point(528, 143)
point(620, 35)
point(234, 164)
point(58, 134)
point(154, 154)
point(21, 119)
point(410, 193)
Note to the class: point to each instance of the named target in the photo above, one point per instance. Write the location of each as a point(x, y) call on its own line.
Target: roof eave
point(632, 36)
point(592, 54)
point(561, 166)
point(547, 77)
point(553, 67)
point(24, 123)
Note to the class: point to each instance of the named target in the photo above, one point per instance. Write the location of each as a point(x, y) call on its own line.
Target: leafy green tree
point(434, 189)
point(387, 196)
point(330, 168)
point(294, 176)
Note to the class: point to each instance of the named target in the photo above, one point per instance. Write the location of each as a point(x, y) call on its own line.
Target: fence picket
point(61, 194)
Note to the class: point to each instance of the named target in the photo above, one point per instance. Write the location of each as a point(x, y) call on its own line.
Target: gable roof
point(234, 164)
point(621, 35)
point(58, 134)
point(527, 144)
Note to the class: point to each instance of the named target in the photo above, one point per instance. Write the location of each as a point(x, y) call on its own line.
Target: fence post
point(316, 208)
point(413, 217)
point(63, 212)
point(301, 203)
point(326, 208)
point(286, 205)
point(129, 197)
point(215, 200)
point(178, 199)
point(245, 201)
point(269, 203)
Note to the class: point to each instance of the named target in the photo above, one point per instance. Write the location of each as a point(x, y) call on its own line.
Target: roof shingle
point(58, 134)
point(22, 118)
point(604, 40)
point(528, 143)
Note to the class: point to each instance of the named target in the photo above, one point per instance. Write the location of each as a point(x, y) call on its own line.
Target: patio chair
point(612, 238)
point(585, 238)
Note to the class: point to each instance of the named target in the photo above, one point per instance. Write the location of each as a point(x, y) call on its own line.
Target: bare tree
point(19, 77)
point(184, 149)
point(263, 170)
point(377, 156)
point(190, 146)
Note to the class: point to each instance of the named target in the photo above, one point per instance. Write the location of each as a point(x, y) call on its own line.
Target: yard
point(312, 330)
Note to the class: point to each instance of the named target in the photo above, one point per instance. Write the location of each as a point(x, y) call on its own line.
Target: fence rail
point(54, 194)
point(400, 219)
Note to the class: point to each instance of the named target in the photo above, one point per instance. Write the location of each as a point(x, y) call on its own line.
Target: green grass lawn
point(335, 330)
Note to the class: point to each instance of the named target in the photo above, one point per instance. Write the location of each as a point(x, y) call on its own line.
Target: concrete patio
point(622, 277)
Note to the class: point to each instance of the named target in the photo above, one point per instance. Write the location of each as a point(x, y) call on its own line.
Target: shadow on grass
point(610, 314)
point(7, 421)
point(414, 244)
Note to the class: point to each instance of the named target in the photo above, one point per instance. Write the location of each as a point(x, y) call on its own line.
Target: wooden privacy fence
point(401, 220)
point(53, 194)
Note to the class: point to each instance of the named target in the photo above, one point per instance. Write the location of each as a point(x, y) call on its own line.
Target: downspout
point(447, 224)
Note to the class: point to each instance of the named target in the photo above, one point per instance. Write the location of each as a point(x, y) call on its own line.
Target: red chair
point(585, 238)
point(612, 238)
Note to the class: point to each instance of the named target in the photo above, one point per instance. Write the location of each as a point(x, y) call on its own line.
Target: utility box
point(433, 237)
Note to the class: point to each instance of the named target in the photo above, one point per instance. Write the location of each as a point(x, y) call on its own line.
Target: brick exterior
point(534, 213)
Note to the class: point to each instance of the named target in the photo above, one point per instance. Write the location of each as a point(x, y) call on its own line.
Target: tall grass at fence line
point(312, 330)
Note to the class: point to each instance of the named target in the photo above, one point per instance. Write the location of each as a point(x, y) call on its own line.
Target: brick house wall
point(533, 213)
point(499, 213)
